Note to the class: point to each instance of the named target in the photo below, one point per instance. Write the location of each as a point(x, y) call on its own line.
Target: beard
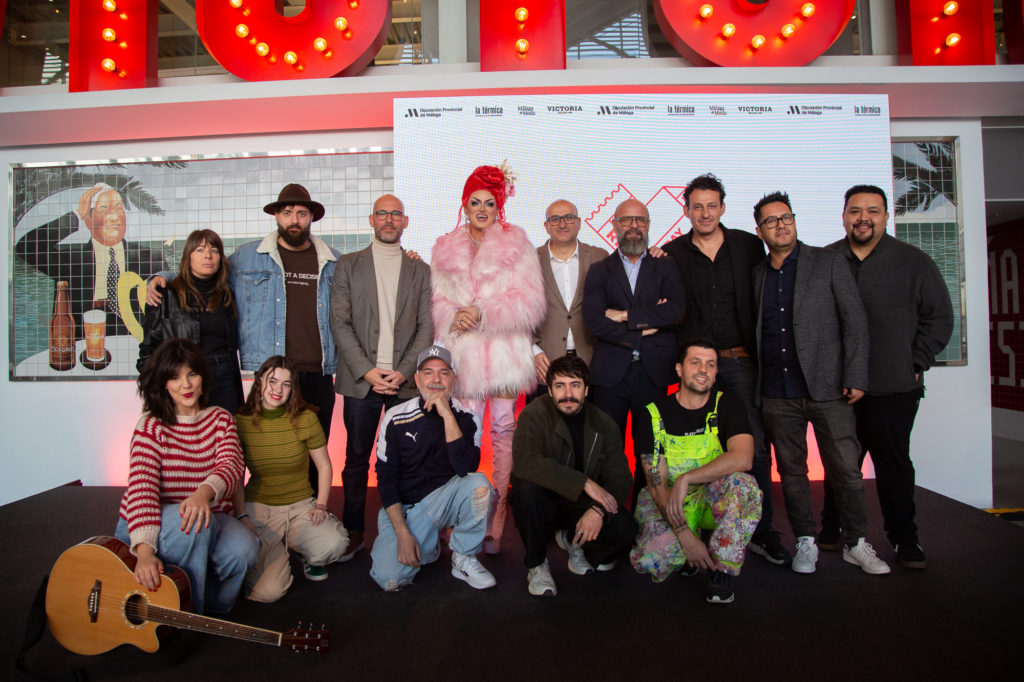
point(697, 388)
point(862, 239)
point(633, 243)
point(293, 239)
point(569, 406)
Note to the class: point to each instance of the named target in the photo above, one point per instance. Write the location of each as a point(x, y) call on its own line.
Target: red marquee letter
point(520, 35)
point(252, 40)
point(112, 44)
point(744, 33)
point(945, 33)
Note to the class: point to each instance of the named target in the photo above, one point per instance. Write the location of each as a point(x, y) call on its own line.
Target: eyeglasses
point(772, 222)
point(568, 218)
point(383, 215)
point(630, 220)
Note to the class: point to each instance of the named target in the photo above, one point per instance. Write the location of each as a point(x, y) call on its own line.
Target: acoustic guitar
point(94, 604)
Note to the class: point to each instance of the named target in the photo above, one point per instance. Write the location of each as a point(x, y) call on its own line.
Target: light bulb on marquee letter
point(108, 64)
point(353, 31)
point(773, 33)
point(110, 5)
point(950, 8)
point(952, 39)
point(522, 14)
point(522, 46)
point(242, 31)
point(109, 35)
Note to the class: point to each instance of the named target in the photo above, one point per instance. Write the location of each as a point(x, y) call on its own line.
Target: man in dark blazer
point(813, 341)
point(380, 321)
point(631, 304)
point(93, 268)
point(564, 262)
point(717, 264)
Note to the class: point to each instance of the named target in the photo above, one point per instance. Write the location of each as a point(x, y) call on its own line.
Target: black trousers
point(539, 512)
point(884, 424)
point(318, 389)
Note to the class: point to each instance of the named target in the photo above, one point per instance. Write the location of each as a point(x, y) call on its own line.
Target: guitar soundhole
point(135, 609)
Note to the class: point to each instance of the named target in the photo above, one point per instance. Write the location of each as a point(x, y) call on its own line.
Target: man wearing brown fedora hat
point(282, 287)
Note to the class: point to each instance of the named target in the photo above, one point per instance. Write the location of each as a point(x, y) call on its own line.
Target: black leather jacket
point(168, 321)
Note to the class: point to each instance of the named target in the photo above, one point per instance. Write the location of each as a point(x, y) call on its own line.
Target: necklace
point(469, 232)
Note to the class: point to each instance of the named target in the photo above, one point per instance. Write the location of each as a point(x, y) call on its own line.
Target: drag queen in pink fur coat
point(488, 297)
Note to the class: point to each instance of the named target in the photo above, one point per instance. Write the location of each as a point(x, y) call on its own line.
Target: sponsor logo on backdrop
point(812, 109)
point(490, 111)
point(430, 112)
point(623, 109)
point(526, 110)
point(755, 110)
point(716, 110)
point(680, 110)
point(665, 207)
point(866, 110)
point(564, 108)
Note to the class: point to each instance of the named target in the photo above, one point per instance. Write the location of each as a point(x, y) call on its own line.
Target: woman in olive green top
point(280, 433)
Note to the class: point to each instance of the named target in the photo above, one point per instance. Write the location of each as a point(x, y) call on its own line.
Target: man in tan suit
point(564, 261)
point(380, 320)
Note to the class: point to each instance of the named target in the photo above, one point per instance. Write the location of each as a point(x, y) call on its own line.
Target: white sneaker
point(466, 567)
point(863, 554)
point(806, 555)
point(539, 581)
point(578, 563)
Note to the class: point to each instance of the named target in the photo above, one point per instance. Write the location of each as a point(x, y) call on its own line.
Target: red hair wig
point(492, 179)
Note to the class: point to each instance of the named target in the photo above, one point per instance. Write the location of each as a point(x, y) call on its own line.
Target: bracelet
point(598, 509)
point(321, 506)
point(241, 516)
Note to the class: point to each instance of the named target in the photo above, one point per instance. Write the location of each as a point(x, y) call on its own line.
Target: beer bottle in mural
point(62, 331)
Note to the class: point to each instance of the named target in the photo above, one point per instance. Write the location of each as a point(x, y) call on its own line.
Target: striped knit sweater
point(168, 463)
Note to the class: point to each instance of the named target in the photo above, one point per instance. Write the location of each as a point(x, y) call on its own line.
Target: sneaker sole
point(572, 569)
point(548, 592)
point(762, 552)
point(315, 578)
point(719, 599)
point(456, 573)
point(804, 571)
point(347, 556)
point(879, 571)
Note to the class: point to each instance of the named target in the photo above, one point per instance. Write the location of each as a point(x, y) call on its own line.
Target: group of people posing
point(760, 346)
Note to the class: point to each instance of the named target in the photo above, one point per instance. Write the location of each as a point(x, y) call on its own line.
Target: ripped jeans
point(454, 505)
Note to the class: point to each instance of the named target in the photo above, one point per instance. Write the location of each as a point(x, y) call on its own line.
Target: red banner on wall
point(1006, 321)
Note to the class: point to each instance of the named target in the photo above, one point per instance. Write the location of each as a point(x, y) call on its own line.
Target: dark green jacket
point(542, 451)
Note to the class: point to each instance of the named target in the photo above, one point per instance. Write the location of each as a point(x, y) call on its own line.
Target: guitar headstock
point(307, 641)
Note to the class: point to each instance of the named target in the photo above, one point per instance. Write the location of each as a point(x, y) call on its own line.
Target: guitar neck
point(213, 626)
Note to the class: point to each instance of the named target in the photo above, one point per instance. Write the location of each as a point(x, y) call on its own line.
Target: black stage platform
point(962, 618)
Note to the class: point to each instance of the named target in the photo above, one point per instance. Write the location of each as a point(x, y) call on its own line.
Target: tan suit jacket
point(553, 332)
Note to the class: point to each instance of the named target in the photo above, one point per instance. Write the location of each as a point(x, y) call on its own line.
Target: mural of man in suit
point(91, 268)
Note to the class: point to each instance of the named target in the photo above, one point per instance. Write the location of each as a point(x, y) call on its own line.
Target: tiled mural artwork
point(162, 200)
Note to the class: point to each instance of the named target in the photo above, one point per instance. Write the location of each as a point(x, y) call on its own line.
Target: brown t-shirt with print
point(302, 333)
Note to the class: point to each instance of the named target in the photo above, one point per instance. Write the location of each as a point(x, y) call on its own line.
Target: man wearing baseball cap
point(428, 452)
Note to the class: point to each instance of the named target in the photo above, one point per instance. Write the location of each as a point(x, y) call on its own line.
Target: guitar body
point(93, 599)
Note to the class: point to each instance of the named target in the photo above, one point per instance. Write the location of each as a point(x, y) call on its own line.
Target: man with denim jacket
point(282, 287)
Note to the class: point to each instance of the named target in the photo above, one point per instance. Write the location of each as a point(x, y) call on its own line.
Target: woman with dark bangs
point(184, 467)
point(201, 308)
point(280, 433)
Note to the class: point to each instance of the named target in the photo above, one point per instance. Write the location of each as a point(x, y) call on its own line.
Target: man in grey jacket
point(570, 479)
point(910, 319)
point(813, 345)
point(380, 320)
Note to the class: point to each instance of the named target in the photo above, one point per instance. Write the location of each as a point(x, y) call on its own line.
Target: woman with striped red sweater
point(185, 464)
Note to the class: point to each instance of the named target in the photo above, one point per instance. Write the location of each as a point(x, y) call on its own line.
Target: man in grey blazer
point(380, 320)
point(813, 359)
point(564, 262)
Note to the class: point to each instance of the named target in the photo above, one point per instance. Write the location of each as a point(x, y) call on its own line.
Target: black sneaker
point(718, 588)
point(830, 538)
point(688, 570)
point(769, 545)
point(910, 555)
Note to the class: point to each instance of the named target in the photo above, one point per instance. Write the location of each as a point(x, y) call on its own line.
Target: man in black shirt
point(717, 265)
point(694, 447)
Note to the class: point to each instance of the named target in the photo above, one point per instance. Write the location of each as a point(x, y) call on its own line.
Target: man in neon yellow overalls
point(692, 482)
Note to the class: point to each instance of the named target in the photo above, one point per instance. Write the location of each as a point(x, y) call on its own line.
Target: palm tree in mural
point(33, 185)
point(928, 179)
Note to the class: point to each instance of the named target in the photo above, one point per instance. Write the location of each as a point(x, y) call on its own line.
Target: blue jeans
point(214, 559)
point(739, 376)
point(450, 506)
point(362, 418)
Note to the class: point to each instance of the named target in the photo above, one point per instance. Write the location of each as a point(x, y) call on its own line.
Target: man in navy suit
point(813, 359)
point(631, 304)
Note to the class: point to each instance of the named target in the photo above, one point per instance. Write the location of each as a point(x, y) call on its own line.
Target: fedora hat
point(295, 194)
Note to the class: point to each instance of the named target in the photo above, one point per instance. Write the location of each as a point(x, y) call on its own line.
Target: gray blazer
point(829, 321)
point(355, 321)
point(552, 334)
